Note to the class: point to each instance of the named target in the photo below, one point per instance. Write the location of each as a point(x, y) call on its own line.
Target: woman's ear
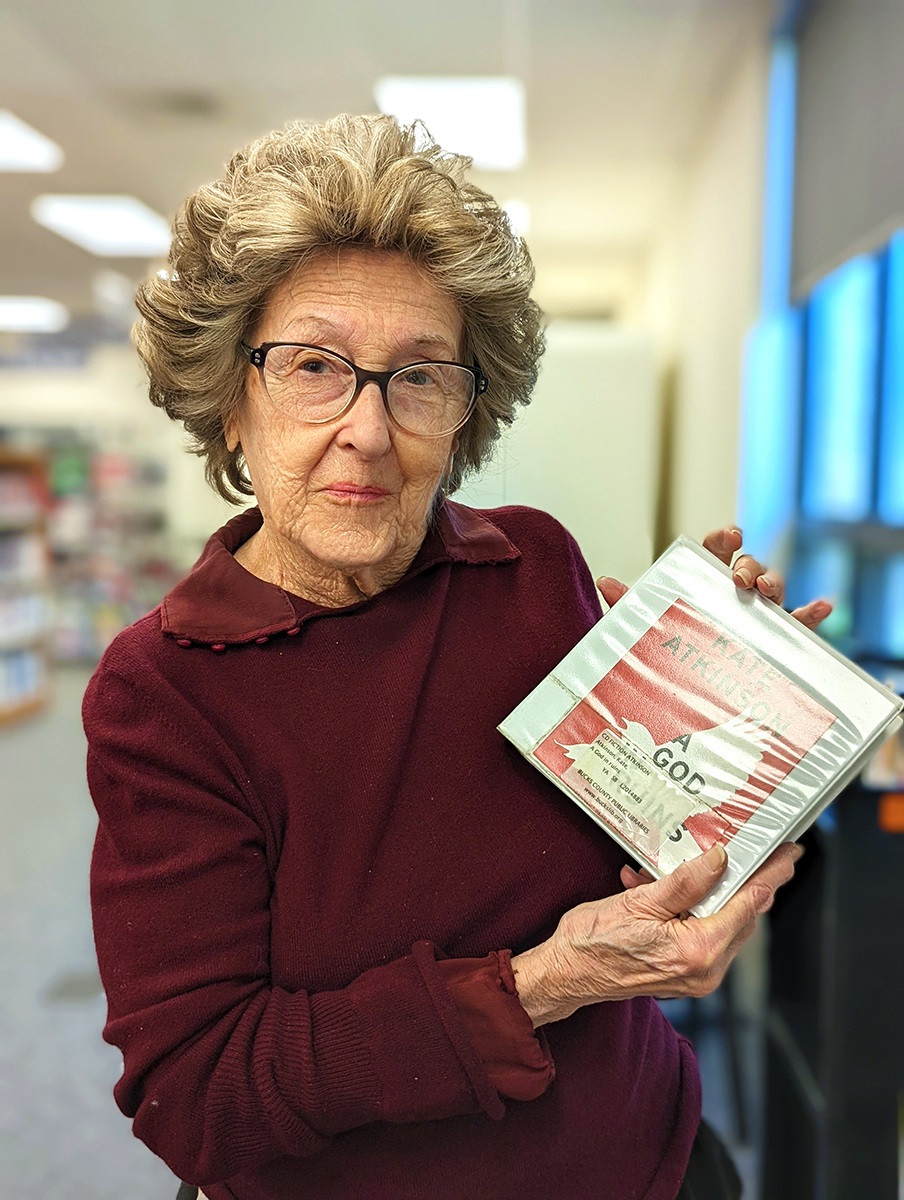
point(231, 434)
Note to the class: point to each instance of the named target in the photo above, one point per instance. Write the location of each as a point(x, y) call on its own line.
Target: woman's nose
point(366, 425)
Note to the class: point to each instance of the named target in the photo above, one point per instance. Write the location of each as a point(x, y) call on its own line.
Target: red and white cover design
point(722, 726)
point(694, 713)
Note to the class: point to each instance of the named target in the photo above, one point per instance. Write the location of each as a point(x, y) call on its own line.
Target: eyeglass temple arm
point(254, 355)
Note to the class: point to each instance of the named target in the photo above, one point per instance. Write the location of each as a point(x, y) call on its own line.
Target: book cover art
point(683, 738)
point(695, 712)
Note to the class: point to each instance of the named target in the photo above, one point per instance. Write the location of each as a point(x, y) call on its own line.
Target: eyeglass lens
point(315, 386)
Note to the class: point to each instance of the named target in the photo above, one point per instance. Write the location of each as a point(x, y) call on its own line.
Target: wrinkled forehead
point(358, 299)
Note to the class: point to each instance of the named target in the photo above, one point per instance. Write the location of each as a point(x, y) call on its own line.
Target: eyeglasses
point(314, 385)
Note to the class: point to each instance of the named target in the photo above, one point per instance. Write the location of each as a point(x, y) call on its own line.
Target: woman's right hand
point(640, 942)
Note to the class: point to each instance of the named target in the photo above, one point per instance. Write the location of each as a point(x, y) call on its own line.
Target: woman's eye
point(419, 377)
point(314, 366)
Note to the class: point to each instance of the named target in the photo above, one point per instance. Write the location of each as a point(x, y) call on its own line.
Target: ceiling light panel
point(110, 226)
point(32, 314)
point(481, 116)
point(24, 149)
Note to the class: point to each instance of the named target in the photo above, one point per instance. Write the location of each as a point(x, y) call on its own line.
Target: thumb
point(690, 882)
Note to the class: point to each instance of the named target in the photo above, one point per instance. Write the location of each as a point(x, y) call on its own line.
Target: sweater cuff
point(517, 1061)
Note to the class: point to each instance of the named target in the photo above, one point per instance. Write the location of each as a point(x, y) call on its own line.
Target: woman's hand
point(639, 943)
point(748, 573)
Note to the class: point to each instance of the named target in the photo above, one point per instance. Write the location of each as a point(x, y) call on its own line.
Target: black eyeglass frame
point(257, 356)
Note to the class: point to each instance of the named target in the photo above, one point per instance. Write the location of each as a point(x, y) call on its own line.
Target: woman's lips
point(363, 493)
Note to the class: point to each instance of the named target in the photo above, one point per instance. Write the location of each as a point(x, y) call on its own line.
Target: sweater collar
point(220, 603)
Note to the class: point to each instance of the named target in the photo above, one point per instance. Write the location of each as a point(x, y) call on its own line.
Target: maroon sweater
point(303, 812)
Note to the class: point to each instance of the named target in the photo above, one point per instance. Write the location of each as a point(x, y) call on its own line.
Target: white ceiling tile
point(151, 99)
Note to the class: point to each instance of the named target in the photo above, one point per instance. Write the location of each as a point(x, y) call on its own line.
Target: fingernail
point(715, 857)
point(734, 529)
point(797, 851)
point(767, 581)
point(744, 576)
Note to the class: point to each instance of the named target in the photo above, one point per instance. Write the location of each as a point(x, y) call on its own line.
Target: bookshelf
point(108, 546)
point(24, 584)
point(109, 542)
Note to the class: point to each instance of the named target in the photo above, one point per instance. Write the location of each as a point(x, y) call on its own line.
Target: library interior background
point(713, 195)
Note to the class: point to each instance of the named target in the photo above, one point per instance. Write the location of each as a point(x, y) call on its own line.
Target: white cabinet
point(587, 447)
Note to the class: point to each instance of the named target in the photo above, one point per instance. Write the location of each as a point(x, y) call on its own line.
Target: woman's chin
point(364, 540)
point(356, 551)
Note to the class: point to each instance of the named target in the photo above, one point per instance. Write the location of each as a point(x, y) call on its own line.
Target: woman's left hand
point(725, 544)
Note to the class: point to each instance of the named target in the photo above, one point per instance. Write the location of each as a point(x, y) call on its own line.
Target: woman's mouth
point(360, 493)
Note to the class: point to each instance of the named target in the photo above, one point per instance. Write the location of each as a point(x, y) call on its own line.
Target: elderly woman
point(352, 944)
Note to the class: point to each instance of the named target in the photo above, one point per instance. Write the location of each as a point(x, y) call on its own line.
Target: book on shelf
point(696, 712)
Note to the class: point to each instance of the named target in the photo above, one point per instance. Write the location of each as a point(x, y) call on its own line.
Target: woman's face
point(351, 497)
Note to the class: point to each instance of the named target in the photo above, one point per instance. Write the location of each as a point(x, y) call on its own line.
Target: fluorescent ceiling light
point(24, 149)
point(32, 314)
point(482, 116)
point(112, 226)
point(519, 216)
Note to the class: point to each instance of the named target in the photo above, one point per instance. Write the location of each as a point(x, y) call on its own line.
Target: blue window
point(770, 431)
point(890, 501)
point(841, 393)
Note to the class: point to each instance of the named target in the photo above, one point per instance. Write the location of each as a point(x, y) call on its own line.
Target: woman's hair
point(352, 181)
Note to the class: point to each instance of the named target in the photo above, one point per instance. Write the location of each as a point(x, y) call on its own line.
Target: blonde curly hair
point(351, 181)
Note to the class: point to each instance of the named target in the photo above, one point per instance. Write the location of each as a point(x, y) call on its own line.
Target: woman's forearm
point(540, 979)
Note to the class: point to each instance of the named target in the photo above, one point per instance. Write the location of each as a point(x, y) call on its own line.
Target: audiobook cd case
point(696, 712)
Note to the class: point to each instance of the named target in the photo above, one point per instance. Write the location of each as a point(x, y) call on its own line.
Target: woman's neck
point(281, 562)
